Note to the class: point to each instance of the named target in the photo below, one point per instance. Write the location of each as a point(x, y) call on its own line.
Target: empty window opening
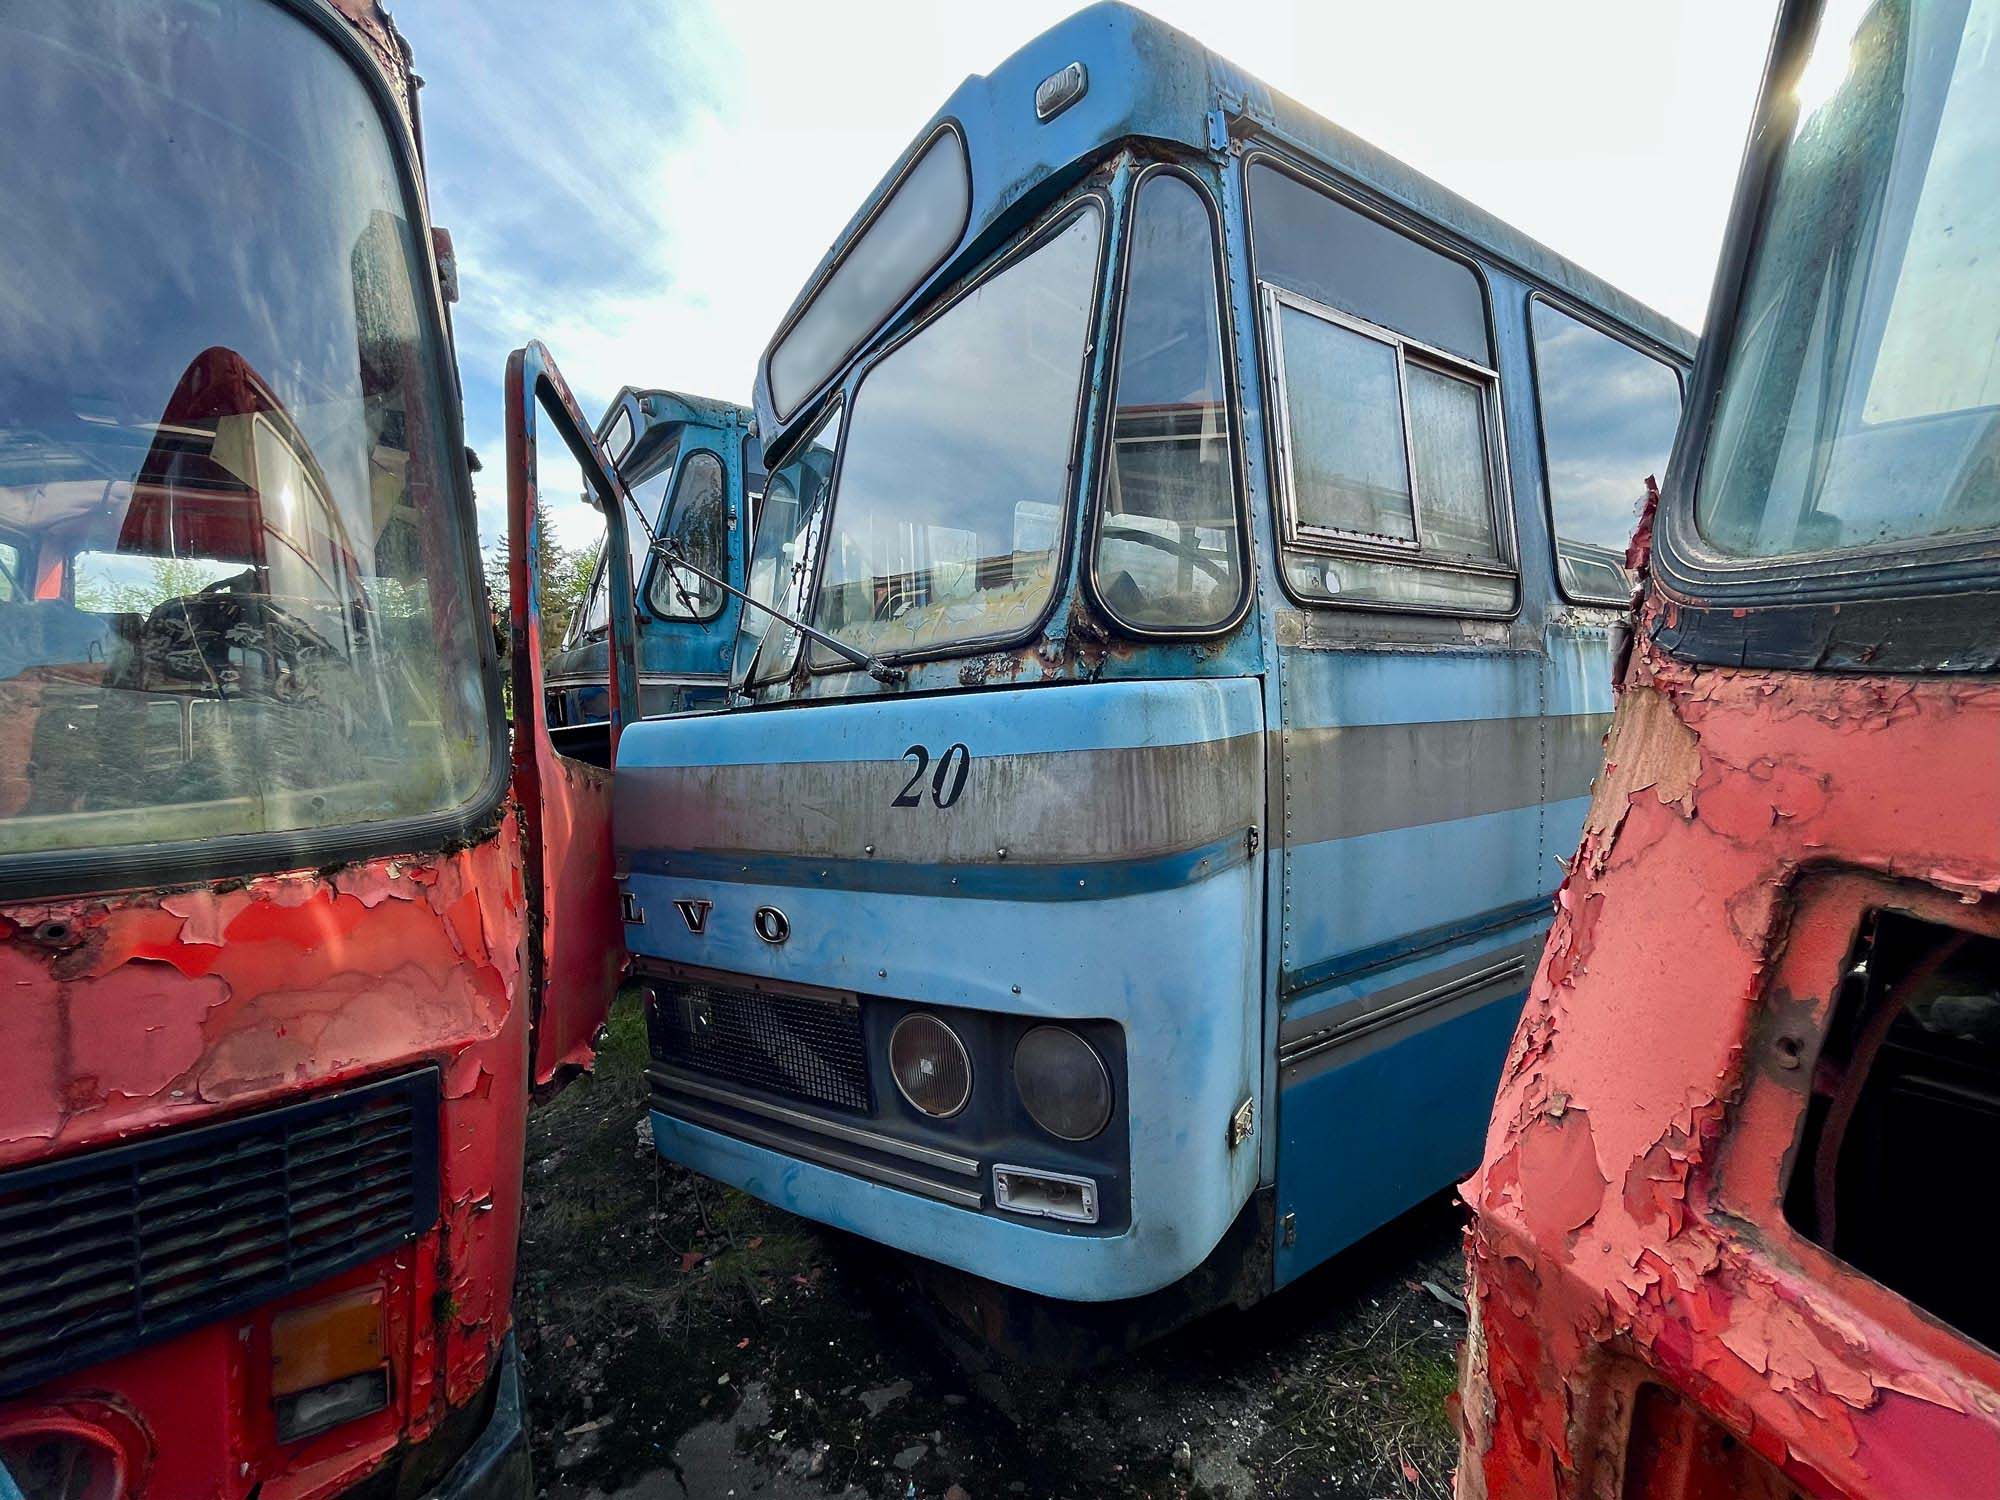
point(1905, 1118)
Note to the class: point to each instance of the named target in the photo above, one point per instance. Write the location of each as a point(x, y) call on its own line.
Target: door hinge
point(1242, 1123)
point(1288, 1230)
point(1253, 839)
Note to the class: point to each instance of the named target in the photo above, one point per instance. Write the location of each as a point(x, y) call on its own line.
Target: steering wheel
point(1186, 551)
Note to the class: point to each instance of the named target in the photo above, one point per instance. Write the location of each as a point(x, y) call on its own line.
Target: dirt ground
point(685, 1342)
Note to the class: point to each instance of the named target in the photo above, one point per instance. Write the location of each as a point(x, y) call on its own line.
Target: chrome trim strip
point(838, 1161)
point(945, 1161)
point(1356, 1027)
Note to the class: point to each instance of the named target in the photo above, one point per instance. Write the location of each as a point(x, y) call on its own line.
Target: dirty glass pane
point(646, 476)
point(913, 230)
point(1311, 243)
point(243, 601)
point(1861, 403)
point(781, 559)
point(1454, 474)
point(1402, 584)
point(1168, 555)
point(1344, 408)
point(699, 524)
point(1608, 419)
point(958, 460)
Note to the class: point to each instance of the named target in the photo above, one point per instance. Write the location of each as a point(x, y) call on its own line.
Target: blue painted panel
point(1324, 689)
point(1358, 892)
point(1361, 1143)
point(1054, 717)
point(1168, 966)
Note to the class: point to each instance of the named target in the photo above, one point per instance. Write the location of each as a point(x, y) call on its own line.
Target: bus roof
point(1144, 79)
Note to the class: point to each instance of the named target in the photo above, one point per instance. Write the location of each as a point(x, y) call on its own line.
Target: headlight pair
point(1063, 1083)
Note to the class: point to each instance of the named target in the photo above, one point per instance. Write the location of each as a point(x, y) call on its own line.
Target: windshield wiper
point(668, 551)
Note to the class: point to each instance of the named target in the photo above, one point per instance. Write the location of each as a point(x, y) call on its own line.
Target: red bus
point(281, 962)
point(1732, 1220)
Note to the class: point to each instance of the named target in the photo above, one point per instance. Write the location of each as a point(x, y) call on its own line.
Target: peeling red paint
point(193, 1005)
point(1629, 1235)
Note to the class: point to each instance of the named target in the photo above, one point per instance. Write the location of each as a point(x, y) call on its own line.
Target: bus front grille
point(111, 1249)
point(799, 1046)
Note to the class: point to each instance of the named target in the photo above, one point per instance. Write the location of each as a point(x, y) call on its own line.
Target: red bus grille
point(107, 1250)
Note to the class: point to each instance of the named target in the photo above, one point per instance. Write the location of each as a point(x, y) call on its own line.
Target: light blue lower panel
point(1075, 1267)
point(1363, 1141)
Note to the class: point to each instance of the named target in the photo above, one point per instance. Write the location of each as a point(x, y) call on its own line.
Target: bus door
point(562, 776)
point(1413, 895)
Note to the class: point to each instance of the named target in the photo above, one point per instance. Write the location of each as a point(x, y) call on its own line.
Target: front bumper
point(496, 1466)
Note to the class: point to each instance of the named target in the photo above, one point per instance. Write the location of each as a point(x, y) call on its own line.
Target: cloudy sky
point(645, 184)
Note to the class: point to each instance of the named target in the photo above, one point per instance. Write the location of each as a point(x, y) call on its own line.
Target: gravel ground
point(686, 1342)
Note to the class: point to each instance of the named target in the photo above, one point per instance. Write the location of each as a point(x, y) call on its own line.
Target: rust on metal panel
point(1630, 1237)
point(134, 1013)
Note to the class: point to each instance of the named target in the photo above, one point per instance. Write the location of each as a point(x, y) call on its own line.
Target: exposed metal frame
point(837, 377)
point(654, 572)
point(1320, 178)
point(1611, 331)
point(1034, 238)
point(1233, 417)
point(1298, 536)
point(1919, 588)
point(105, 869)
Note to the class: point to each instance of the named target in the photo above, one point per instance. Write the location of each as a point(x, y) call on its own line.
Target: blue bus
point(1198, 547)
point(695, 470)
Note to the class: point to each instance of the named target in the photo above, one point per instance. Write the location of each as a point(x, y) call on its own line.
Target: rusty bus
point(1731, 1221)
point(281, 967)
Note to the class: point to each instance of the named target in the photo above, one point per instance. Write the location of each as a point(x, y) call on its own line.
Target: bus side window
point(1169, 546)
point(1608, 413)
point(1391, 477)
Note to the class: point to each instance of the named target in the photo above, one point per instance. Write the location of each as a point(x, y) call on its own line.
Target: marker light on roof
point(1060, 90)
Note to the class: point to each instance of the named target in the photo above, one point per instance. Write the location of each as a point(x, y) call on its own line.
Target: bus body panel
point(1630, 1225)
point(1138, 903)
point(683, 663)
point(136, 1017)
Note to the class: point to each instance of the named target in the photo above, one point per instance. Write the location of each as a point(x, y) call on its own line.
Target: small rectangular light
point(1045, 1195)
point(1060, 90)
point(329, 1405)
point(328, 1364)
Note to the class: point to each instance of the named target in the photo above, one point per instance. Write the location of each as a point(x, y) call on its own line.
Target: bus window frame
point(1506, 534)
point(1232, 400)
point(1928, 604)
point(838, 376)
point(664, 528)
point(1632, 341)
point(1322, 541)
point(124, 867)
point(1042, 231)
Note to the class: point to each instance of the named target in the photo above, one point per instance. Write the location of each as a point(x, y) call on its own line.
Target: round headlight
point(1063, 1083)
point(930, 1065)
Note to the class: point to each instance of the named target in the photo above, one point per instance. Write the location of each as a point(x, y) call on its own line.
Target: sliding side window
point(1609, 412)
point(1387, 409)
point(1169, 546)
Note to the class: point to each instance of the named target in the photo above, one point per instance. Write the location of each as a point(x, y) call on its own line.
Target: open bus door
point(562, 778)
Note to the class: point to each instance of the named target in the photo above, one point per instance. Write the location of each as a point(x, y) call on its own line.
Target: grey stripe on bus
point(1372, 778)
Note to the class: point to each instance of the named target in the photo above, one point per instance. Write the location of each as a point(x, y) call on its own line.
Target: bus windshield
point(235, 592)
point(949, 500)
point(1861, 401)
